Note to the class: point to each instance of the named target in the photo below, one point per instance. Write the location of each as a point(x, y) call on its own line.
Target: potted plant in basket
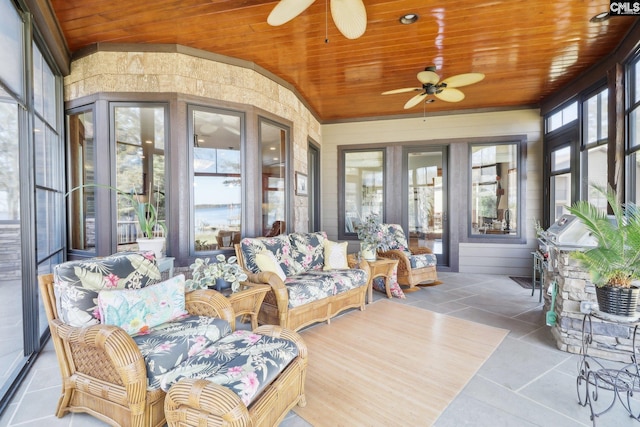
point(614, 264)
point(372, 236)
point(147, 216)
point(220, 275)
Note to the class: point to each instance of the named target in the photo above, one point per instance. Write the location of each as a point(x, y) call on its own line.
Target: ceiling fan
point(350, 16)
point(444, 90)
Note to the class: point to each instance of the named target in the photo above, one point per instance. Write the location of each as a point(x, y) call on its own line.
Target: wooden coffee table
point(381, 267)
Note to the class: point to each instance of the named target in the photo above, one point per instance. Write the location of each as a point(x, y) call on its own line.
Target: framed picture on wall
point(302, 187)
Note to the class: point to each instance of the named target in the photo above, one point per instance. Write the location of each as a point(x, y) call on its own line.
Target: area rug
point(391, 365)
point(525, 282)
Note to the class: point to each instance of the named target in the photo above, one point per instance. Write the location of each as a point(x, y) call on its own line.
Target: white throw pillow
point(335, 255)
point(266, 261)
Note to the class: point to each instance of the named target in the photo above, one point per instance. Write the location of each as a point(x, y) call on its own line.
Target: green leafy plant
point(615, 261)
point(204, 273)
point(371, 234)
point(146, 213)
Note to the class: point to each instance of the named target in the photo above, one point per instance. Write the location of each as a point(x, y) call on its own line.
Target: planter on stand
point(155, 244)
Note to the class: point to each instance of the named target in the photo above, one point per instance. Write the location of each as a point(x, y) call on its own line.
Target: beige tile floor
point(526, 382)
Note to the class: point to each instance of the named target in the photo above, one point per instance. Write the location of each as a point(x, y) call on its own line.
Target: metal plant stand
point(596, 383)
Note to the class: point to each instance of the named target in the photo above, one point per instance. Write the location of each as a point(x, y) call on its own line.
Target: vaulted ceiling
point(526, 49)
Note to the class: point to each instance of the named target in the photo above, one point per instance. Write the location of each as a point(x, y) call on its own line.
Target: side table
point(381, 267)
point(248, 300)
point(594, 379)
point(166, 264)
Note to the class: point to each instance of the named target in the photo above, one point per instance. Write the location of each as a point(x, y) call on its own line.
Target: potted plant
point(614, 264)
point(220, 275)
point(147, 216)
point(372, 236)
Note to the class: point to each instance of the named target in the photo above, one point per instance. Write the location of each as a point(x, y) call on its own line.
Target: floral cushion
point(317, 284)
point(280, 246)
point(308, 249)
point(244, 362)
point(170, 344)
point(77, 283)
point(137, 310)
point(423, 260)
point(394, 287)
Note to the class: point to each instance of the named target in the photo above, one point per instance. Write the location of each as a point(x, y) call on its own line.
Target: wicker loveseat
point(117, 361)
point(305, 289)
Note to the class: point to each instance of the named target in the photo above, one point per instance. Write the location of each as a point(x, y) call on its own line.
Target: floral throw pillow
point(138, 310)
point(395, 289)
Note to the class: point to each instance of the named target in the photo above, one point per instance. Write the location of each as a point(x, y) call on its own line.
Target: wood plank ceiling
point(527, 49)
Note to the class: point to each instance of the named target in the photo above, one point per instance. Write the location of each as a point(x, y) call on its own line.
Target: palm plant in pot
point(614, 264)
point(146, 214)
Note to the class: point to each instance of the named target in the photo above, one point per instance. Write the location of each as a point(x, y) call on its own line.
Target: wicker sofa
point(117, 360)
point(304, 289)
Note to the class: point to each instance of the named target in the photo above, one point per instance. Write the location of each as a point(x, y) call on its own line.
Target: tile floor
point(526, 382)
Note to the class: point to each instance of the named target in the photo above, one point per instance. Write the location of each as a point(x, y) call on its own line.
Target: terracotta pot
point(617, 300)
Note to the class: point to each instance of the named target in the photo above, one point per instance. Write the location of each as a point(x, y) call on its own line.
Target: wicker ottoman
point(200, 402)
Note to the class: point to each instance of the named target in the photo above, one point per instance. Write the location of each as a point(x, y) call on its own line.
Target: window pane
point(9, 137)
point(494, 189)
point(591, 120)
point(604, 114)
point(634, 128)
point(273, 142)
point(140, 138)
point(561, 196)
point(560, 159)
point(425, 200)
point(11, 46)
point(216, 165)
point(634, 177)
point(81, 170)
point(597, 174)
point(364, 186)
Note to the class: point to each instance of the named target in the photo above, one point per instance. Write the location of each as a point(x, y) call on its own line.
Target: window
point(560, 182)
point(594, 147)
point(562, 117)
point(363, 187)
point(633, 130)
point(81, 171)
point(217, 178)
point(140, 143)
point(274, 142)
point(495, 195)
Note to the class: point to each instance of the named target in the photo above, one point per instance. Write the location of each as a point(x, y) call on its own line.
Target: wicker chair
point(416, 265)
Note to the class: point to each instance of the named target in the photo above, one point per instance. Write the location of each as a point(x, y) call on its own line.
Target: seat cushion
point(168, 345)
point(317, 284)
point(77, 283)
point(244, 362)
point(423, 260)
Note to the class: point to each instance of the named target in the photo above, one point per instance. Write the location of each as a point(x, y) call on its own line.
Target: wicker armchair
point(416, 265)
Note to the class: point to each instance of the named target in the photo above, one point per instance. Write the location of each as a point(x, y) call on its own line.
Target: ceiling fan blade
point(463, 79)
point(415, 100)
point(286, 10)
point(403, 90)
point(350, 17)
point(450, 95)
point(427, 77)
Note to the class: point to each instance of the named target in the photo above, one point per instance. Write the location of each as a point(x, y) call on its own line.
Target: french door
point(426, 206)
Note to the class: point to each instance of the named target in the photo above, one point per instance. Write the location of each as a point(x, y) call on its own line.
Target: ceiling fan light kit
point(445, 90)
point(350, 16)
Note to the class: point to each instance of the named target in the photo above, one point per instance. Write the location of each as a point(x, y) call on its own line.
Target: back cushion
point(308, 249)
point(280, 246)
point(399, 238)
point(77, 283)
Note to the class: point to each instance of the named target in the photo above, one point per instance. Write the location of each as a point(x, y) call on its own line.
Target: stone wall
point(611, 340)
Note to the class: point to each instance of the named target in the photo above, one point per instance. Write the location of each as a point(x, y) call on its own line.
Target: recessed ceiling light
point(408, 18)
point(602, 16)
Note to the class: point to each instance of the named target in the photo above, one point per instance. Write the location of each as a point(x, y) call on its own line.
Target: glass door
point(427, 201)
